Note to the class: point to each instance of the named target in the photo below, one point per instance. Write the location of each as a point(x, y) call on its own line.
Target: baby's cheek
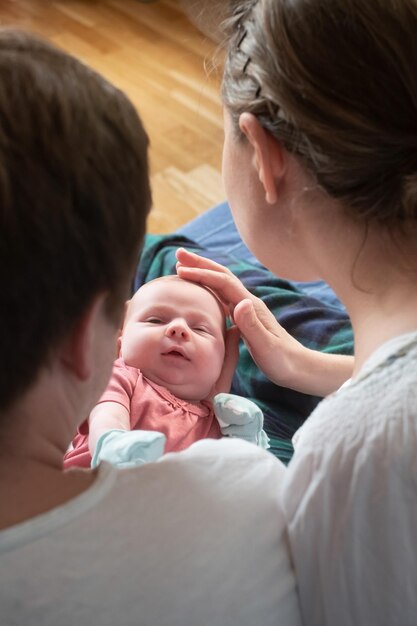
point(138, 351)
point(126, 352)
point(218, 360)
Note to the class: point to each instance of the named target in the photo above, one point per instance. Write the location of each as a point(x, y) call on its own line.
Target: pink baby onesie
point(151, 407)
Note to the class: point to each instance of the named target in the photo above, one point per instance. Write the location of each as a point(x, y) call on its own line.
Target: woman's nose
point(178, 329)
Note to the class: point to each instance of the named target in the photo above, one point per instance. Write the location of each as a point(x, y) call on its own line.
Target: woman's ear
point(78, 351)
point(269, 158)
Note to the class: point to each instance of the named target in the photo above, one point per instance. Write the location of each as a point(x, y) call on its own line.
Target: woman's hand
point(281, 357)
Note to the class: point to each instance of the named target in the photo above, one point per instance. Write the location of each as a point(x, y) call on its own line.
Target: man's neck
point(32, 488)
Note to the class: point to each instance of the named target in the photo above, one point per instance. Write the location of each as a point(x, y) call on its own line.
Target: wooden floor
point(154, 53)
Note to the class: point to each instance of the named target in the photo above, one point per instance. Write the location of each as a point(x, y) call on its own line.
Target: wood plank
point(154, 53)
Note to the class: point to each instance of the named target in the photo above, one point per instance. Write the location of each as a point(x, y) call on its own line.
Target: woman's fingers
point(258, 338)
point(271, 347)
point(227, 286)
point(191, 259)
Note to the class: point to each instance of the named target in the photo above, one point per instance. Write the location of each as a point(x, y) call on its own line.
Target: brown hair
point(335, 82)
point(74, 196)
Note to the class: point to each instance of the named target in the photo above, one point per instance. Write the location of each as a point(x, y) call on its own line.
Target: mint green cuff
point(128, 448)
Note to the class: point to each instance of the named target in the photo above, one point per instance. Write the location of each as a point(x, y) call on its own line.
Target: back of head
point(74, 196)
point(335, 82)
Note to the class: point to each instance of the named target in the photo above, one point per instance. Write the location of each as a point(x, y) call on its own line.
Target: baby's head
point(174, 332)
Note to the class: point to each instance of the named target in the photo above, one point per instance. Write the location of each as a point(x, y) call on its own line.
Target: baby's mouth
point(177, 354)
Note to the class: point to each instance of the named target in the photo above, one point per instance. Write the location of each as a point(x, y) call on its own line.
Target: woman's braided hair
point(335, 82)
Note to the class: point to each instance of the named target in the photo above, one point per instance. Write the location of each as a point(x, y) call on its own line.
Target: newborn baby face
point(174, 333)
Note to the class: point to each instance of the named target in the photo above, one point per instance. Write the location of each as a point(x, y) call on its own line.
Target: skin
point(278, 207)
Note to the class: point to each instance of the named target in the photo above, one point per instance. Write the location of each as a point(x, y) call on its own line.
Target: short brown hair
point(335, 81)
point(74, 196)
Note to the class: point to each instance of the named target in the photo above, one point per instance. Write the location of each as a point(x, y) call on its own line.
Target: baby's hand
point(130, 448)
point(240, 417)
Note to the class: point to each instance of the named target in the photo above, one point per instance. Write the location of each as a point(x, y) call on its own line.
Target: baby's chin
point(193, 393)
point(188, 393)
point(176, 381)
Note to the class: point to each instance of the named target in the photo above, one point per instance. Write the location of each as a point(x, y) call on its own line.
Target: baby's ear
point(119, 343)
point(125, 314)
point(120, 333)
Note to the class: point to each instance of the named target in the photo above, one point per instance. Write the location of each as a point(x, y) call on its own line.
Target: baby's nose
point(178, 328)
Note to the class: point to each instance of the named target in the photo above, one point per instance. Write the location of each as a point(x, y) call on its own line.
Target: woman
point(320, 169)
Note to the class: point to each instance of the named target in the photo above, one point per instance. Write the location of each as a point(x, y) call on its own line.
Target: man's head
point(74, 196)
point(175, 334)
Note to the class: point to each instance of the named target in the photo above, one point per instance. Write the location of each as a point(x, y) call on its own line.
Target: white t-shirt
point(350, 497)
point(197, 539)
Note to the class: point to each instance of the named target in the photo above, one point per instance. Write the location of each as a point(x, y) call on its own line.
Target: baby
point(164, 391)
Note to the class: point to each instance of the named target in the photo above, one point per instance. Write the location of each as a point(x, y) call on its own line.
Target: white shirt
point(350, 497)
point(197, 539)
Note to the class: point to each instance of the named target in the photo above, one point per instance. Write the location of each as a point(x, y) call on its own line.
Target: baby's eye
point(154, 320)
point(201, 329)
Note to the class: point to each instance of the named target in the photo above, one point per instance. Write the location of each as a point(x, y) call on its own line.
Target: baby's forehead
point(173, 285)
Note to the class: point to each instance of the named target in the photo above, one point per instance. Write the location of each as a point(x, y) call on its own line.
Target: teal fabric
point(240, 417)
point(314, 323)
point(126, 449)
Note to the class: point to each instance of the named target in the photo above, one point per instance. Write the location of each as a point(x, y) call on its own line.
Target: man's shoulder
point(215, 455)
point(232, 468)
